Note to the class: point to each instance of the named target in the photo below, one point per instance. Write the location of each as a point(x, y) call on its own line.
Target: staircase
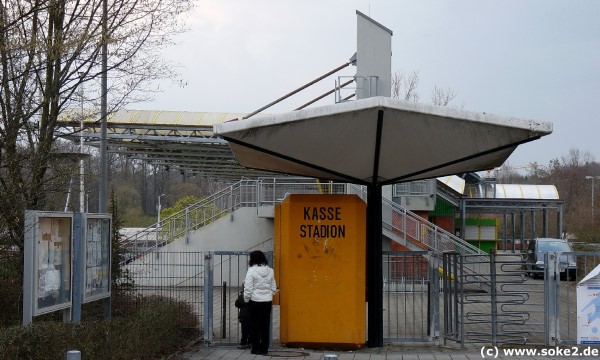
point(261, 194)
point(399, 224)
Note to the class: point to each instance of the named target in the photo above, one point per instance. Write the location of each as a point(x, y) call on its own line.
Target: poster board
point(67, 262)
point(48, 262)
point(588, 308)
point(97, 262)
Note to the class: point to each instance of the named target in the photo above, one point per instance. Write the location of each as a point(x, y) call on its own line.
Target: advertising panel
point(97, 257)
point(48, 263)
point(588, 308)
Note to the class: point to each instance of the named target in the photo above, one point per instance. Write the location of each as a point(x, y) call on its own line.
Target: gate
point(226, 271)
point(410, 296)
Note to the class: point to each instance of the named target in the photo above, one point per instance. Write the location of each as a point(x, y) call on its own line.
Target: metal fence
point(177, 276)
point(210, 282)
point(419, 288)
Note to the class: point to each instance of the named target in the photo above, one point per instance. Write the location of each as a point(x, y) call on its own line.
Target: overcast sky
point(530, 59)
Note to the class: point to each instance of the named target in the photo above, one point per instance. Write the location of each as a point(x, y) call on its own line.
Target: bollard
point(73, 355)
point(330, 357)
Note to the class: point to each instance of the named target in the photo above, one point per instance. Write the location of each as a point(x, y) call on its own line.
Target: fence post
point(550, 294)
point(73, 355)
point(459, 276)
point(187, 225)
point(434, 296)
point(446, 290)
point(493, 295)
point(208, 298)
point(224, 311)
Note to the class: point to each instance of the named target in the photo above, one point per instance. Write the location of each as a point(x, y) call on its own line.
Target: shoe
point(242, 346)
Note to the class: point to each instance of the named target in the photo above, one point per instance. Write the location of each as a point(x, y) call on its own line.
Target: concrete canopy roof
point(377, 141)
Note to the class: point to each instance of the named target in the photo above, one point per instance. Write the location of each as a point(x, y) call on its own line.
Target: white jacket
point(259, 284)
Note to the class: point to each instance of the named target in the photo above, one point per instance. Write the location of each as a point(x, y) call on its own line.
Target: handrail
point(270, 191)
point(192, 217)
point(245, 193)
point(417, 229)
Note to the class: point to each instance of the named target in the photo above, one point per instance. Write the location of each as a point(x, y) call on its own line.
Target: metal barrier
point(520, 308)
point(211, 282)
point(514, 311)
point(410, 282)
point(228, 271)
point(178, 276)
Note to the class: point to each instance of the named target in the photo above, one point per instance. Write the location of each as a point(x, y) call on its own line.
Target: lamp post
point(593, 178)
point(158, 222)
point(82, 195)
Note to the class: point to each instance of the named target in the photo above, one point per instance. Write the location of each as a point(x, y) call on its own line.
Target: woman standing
point(259, 288)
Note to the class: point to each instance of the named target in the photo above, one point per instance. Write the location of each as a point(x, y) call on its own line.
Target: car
point(534, 257)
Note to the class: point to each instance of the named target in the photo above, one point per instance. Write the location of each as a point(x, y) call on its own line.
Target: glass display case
point(48, 262)
point(97, 257)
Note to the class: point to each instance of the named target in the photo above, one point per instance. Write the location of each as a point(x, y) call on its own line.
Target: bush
point(152, 331)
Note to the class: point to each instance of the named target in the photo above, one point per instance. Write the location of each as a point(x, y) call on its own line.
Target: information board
point(97, 257)
point(48, 267)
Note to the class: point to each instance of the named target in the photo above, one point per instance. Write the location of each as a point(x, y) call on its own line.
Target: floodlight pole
point(158, 207)
point(103, 115)
point(103, 111)
point(593, 178)
point(81, 161)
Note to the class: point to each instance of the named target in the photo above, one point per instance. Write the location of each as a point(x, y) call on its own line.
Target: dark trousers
point(260, 321)
point(245, 332)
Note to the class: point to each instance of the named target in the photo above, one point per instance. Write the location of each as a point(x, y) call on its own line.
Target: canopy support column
point(374, 272)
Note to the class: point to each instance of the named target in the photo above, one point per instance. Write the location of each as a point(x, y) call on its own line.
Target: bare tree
point(442, 97)
point(48, 50)
point(568, 175)
point(405, 86)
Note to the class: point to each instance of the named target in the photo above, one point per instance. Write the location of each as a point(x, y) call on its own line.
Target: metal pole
point(208, 296)
point(158, 223)
point(593, 201)
point(81, 162)
point(593, 178)
point(224, 312)
point(322, 96)
point(493, 297)
point(103, 144)
point(297, 90)
point(103, 111)
point(74, 355)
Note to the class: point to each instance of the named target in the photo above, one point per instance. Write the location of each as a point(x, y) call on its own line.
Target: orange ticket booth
point(320, 255)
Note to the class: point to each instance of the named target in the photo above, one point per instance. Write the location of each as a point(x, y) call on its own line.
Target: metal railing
point(195, 216)
point(245, 193)
point(421, 232)
point(267, 192)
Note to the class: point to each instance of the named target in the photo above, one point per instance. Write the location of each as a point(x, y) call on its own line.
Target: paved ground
point(395, 352)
